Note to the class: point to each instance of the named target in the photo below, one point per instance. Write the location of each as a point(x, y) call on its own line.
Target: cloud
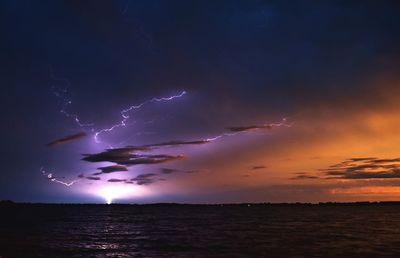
point(150, 159)
point(304, 177)
point(116, 180)
point(112, 155)
point(128, 157)
point(145, 182)
point(136, 155)
point(364, 175)
point(173, 171)
point(168, 170)
point(379, 161)
point(143, 176)
point(67, 139)
point(145, 179)
point(258, 167)
point(177, 143)
point(360, 159)
point(359, 168)
point(93, 178)
point(190, 171)
point(113, 168)
point(236, 129)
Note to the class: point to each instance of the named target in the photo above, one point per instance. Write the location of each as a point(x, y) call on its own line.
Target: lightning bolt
point(55, 180)
point(62, 93)
point(125, 116)
point(219, 137)
point(283, 122)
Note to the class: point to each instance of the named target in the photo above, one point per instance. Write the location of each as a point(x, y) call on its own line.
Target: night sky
point(200, 101)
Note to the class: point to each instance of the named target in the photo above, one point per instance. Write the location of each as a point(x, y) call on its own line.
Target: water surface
point(199, 231)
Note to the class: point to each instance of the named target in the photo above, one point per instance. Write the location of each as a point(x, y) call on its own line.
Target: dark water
point(200, 231)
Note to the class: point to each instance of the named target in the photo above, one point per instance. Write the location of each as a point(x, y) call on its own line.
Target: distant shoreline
point(382, 203)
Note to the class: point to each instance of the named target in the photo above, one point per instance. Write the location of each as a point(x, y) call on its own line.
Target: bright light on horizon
point(110, 193)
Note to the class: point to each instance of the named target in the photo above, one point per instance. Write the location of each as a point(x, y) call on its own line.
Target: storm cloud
point(127, 157)
point(67, 139)
point(133, 155)
point(258, 167)
point(174, 171)
point(358, 168)
point(116, 180)
point(113, 168)
point(93, 178)
point(177, 143)
point(236, 129)
point(145, 179)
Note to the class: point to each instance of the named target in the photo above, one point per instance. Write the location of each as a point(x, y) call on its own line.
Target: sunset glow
point(201, 102)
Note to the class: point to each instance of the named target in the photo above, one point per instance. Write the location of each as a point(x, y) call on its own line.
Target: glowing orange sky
point(328, 133)
point(198, 87)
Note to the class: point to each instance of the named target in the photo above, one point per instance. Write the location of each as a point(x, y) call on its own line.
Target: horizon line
point(5, 202)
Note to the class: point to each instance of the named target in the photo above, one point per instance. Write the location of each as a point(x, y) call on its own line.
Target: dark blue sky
point(242, 63)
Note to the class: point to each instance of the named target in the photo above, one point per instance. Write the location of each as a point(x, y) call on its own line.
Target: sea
point(171, 230)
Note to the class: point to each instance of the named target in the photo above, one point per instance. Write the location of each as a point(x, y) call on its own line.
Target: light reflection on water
point(199, 231)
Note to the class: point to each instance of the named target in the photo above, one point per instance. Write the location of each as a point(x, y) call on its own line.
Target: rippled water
point(199, 231)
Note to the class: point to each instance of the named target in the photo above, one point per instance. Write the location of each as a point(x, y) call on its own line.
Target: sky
point(200, 101)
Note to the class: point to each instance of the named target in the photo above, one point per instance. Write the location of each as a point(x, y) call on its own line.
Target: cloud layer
point(358, 168)
point(67, 139)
